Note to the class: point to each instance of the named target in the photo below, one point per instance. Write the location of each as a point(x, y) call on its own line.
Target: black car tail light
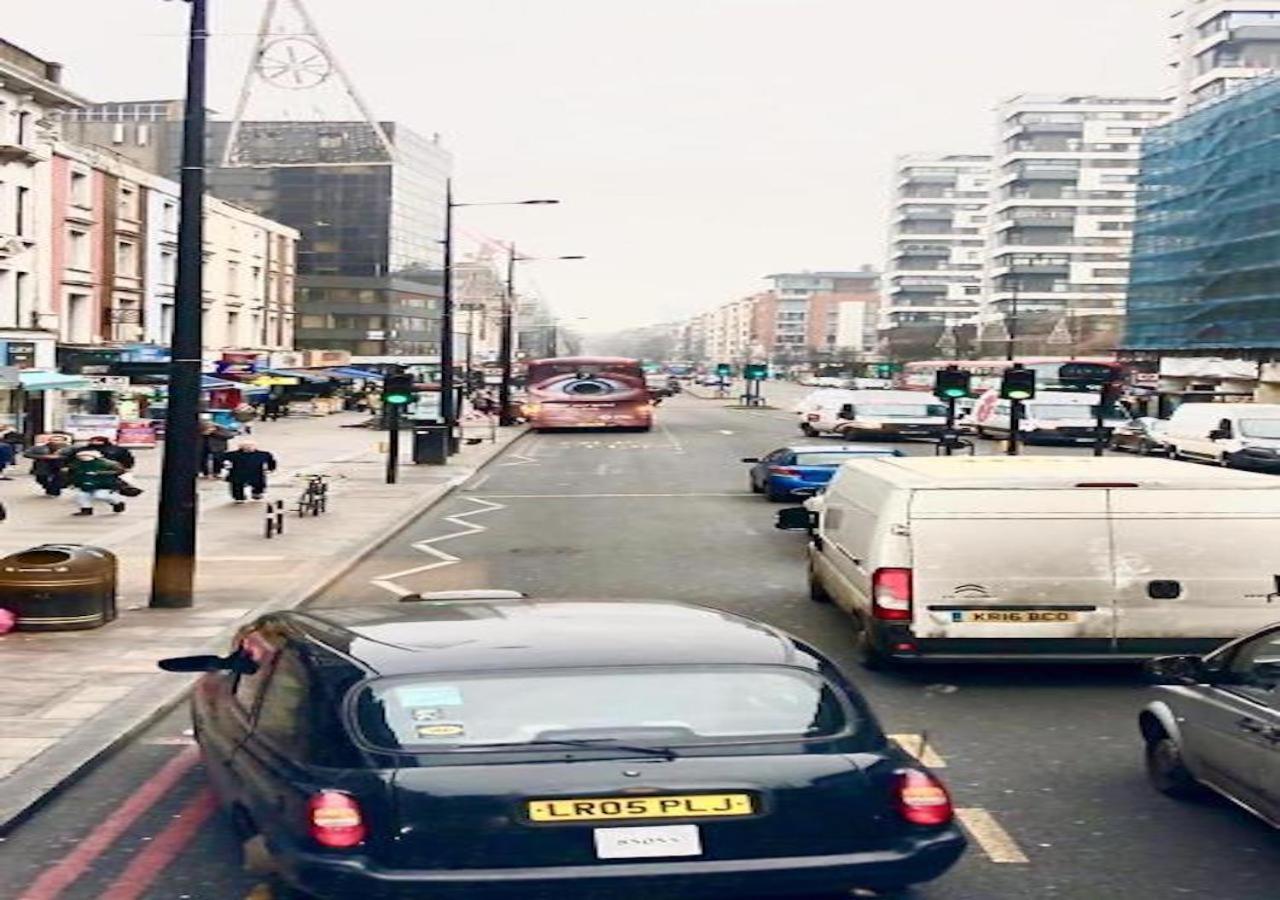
point(335, 820)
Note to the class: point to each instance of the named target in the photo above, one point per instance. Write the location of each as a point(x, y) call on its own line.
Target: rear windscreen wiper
point(584, 744)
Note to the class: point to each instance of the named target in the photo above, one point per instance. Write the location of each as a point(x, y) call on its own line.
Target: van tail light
point(813, 417)
point(921, 799)
point(782, 470)
point(891, 594)
point(335, 819)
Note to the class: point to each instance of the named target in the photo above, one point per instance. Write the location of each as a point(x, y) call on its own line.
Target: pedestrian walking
point(272, 408)
point(50, 462)
point(7, 458)
point(109, 450)
point(244, 414)
point(214, 440)
point(247, 467)
point(95, 478)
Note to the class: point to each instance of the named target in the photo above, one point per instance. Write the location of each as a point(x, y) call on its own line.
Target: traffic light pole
point(393, 441)
point(1015, 427)
point(948, 441)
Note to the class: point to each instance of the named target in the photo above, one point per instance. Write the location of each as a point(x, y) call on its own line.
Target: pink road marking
point(146, 867)
point(54, 880)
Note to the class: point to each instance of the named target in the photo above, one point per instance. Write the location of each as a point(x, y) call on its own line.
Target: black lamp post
point(506, 346)
point(448, 406)
point(173, 571)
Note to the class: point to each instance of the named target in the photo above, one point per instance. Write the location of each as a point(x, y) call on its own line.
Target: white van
point(873, 414)
point(1240, 435)
point(1053, 416)
point(1043, 557)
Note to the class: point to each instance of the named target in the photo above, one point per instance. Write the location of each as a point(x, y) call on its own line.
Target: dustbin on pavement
point(430, 444)
point(59, 587)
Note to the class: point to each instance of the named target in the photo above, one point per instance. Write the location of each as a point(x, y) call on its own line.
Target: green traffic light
point(397, 399)
point(1019, 395)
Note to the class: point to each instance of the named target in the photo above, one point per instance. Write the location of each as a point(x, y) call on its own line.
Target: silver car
point(1215, 723)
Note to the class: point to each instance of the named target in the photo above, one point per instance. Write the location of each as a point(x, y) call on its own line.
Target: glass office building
point(1205, 275)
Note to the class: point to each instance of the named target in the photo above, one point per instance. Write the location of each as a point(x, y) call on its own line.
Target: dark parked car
point(800, 471)
point(1144, 436)
point(1215, 723)
point(494, 746)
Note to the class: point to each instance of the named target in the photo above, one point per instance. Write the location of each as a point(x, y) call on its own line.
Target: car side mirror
point(1181, 670)
point(751, 459)
point(796, 518)
point(235, 662)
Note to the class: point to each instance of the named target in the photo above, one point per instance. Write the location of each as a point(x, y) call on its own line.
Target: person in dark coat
point(214, 440)
point(109, 450)
point(95, 478)
point(247, 467)
point(50, 463)
point(272, 408)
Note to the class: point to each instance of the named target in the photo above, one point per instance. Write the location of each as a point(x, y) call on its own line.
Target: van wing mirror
point(1182, 670)
point(796, 518)
point(847, 412)
point(1220, 434)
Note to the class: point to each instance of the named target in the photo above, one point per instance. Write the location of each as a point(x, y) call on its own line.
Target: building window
point(233, 278)
point(168, 267)
point(233, 329)
point(80, 189)
point(78, 249)
point(21, 300)
point(77, 328)
point(21, 211)
point(126, 258)
point(127, 202)
point(169, 215)
point(166, 323)
point(24, 128)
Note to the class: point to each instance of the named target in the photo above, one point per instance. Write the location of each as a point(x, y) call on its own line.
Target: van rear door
point(1012, 571)
point(1194, 567)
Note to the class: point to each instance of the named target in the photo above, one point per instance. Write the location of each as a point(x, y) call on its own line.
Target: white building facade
point(937, 239)
point(1219, 44)
point(1061, 225)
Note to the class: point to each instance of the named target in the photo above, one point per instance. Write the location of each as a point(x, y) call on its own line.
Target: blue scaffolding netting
point(1206, 254)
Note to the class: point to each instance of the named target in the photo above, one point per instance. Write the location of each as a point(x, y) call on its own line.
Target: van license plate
point(693, 806)
point(1015, 616)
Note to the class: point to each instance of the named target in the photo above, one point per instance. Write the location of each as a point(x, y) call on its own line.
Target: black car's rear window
point(675, 705)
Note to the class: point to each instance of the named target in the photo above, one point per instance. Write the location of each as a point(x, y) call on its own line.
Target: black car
point(1144, 436)
point(495, 746)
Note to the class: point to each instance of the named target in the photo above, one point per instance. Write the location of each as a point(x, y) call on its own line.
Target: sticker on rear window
point(431, 695)
point(440, 730)
point(426, 713)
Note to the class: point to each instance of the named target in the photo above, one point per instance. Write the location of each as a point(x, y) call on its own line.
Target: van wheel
point(982, 433)
point(1167, 772)
point(817, 593)
point(807, 430)
point(870, 656)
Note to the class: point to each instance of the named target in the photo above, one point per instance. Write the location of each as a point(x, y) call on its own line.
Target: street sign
point(1061, 333)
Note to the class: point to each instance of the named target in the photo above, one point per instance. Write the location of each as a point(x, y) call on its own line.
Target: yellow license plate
point(1015, 617)
point(694, 806)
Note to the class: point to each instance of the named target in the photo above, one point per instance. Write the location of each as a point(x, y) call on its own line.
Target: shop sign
point(108, 382)
point(86, 425)
point(137, 434)
point(272, 380)
point(237, 364)
point(20, 354)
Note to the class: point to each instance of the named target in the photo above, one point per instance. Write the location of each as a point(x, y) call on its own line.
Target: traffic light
point(1018, 383)
point(755, 371)
point(724, 370)
point(952, 383)
point(398, 390)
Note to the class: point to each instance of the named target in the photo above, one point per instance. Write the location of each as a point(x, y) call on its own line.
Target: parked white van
point(1043, 557)
point(1053, 416)
point(874, 414)
point(1240, 435)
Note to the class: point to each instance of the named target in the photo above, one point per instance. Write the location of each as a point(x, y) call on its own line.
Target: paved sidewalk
point(70, 696)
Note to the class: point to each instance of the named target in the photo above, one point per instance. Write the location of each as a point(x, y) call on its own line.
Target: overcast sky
point(697, 145)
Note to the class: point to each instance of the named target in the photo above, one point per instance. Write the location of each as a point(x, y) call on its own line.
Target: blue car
point(802, 471)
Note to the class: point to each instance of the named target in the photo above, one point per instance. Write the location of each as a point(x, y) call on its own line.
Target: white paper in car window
point(429, 696)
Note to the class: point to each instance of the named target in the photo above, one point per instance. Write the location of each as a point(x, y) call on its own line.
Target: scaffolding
point(1206, 253)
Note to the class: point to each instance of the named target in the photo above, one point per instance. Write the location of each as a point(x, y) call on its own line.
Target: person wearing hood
point(95, 478)
point(50, 462)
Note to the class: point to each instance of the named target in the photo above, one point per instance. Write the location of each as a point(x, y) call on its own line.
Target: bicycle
point(315, 495)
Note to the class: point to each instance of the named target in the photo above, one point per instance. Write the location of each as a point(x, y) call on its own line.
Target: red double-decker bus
point(587, 392)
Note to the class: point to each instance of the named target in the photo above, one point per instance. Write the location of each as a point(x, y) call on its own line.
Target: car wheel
point(1167, 772)
point(775, 496)
point(817, 593)
point(755, 487)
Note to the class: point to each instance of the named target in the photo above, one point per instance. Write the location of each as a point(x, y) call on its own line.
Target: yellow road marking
point(922, 750)
point(991, 837)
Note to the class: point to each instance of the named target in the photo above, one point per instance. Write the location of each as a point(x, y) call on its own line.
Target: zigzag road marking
point(441, 558)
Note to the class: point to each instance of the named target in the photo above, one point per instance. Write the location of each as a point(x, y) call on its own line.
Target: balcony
point(11, 152)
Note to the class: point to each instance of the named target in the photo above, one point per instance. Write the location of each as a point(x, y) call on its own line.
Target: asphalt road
point(1045, 762)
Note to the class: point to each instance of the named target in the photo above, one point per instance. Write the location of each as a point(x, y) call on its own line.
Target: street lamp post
point(506, 345)
point(1012, 327)
point(173, 571)
point(448, 409)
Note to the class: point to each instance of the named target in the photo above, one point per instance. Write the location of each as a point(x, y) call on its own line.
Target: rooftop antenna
point(294, 82)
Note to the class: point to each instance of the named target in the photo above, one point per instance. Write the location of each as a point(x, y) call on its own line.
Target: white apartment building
point(1218, 44)
point(1062, 222)
point(727, 331)
point(937, 247)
